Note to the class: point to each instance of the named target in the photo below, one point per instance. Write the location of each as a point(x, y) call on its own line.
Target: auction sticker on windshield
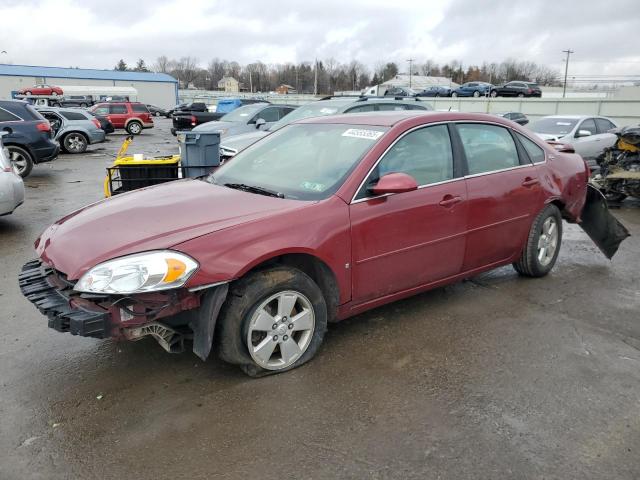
point(362, 133)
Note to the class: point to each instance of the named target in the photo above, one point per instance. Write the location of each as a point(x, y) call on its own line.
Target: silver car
point(74, 128)
point(588, 135)
point(11, 186)
point(248, 118)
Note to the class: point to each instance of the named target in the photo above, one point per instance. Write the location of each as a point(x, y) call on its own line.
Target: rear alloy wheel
point(272, 321)
point(20, 160)
point(74, 143)
point(134, 128)
point(521, 95)
point(493, 94)
point(476, 93)
point(454, 94)
point(83, 105)
point(543, 244)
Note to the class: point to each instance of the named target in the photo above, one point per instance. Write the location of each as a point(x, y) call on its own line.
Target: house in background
point(285, 89)
point(229, 84)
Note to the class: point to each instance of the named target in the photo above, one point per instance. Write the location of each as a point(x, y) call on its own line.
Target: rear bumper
point(46, 154)
point(97, 136)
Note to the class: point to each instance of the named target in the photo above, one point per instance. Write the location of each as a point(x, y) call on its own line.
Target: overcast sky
point(97, 33)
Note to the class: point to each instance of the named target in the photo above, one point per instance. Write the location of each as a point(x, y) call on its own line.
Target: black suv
point(82, 101)
point(29, 137)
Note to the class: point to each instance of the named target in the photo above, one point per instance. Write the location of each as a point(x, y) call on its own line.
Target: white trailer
point(93, 95)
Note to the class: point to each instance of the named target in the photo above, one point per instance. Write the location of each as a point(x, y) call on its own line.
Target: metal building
point(154, 88)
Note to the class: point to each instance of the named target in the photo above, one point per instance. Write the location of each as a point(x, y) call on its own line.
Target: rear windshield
point(315, 109)
point(243, 114)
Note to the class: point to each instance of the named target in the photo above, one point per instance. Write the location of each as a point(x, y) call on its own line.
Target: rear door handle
point(530, 182)
point(449, 201)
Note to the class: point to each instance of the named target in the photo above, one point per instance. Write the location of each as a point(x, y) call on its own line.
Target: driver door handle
point(449, 201)
point(530, 182)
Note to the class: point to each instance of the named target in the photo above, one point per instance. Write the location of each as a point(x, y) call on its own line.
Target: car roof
point(391, 118)
point(574, 117)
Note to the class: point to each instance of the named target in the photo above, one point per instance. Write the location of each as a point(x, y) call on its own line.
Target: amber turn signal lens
point(175, 269)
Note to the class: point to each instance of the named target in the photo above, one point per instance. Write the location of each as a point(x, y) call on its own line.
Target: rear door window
point(588, 125)
point(73, 115)
point(535, 152)
point(117, 109)
point(487, 147)
point(604, 125)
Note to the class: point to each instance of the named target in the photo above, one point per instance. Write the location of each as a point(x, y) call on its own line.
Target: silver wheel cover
point(548, 241)
point(280, 330)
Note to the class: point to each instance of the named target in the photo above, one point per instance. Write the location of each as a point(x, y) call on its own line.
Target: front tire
point(521, 95)
point(21, 160)
point(134, 128)
point(74, 143)
point(272, 321)
point(543, 244)
point(476, 93)
point(454, 95)
point(493, 94)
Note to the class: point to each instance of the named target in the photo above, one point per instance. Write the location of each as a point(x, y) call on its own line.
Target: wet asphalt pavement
point(496, 377)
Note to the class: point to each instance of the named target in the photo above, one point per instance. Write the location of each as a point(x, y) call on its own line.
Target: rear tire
point(476, 93)
point(278, 297)
point(493, 94)
point(20, 160)
point(521, 95)
point(74, 143)
point(134, 128)
point(454, 95)
point(543, 244)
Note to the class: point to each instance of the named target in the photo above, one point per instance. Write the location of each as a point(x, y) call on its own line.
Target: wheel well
point(315, 268)
point(560, 204)
point(23, 147)
point(133, 120)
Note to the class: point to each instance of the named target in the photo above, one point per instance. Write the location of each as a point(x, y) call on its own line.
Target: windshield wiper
point(254, 189)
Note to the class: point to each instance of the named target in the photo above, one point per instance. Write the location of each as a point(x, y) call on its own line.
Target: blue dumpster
point(199, 152)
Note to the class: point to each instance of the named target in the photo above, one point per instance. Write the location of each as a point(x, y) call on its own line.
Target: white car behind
point(11, 185)
point(588, 135)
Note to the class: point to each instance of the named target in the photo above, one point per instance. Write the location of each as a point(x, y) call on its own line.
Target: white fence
point(622, 112)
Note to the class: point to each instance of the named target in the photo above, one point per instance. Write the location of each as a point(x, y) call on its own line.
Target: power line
point(566, 71)
point(411, 60)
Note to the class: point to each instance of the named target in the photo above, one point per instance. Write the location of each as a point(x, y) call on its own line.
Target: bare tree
point(161, 65)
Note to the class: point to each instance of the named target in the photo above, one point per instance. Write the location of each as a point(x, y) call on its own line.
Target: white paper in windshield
point(363, 133)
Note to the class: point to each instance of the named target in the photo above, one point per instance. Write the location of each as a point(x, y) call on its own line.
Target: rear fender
point(603, 228)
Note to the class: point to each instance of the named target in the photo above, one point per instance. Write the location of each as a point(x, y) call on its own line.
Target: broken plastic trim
point(169, 339)
point(603, 228)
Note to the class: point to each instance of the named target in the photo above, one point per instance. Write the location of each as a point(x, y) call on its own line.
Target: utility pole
point(410, 70)
point(315, 79)
point(566, 71)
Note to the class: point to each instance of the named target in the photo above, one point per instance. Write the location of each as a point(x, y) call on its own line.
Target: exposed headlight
point(138, 273)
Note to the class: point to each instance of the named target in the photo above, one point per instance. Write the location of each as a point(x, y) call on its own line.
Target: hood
point(214, 126)
point(149, 219)
point(240, 142)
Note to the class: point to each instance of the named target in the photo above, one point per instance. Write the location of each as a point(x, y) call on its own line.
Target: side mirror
point(394, 183)
point(260, 122)
point(583, 133)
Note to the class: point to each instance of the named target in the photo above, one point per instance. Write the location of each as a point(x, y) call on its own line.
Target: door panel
point(503, 191)
point(409, 239)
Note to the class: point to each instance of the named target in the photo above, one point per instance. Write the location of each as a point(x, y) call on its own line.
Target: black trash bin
point(199, 152)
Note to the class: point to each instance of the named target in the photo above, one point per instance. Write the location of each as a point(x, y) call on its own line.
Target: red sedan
point(322, 220)
point(41, 89)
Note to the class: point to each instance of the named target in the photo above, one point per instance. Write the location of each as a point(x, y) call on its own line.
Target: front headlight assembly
point(138, 273)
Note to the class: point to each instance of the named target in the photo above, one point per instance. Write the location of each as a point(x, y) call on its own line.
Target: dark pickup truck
point(196, 113)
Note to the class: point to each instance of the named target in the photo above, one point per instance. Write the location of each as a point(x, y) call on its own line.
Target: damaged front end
point(171, 316)
point(602, 227)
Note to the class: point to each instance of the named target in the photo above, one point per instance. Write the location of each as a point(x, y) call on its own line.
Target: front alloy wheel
point(280, 330)
point(273, 320)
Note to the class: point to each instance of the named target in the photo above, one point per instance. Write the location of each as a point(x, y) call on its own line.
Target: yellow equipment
point(128, 173)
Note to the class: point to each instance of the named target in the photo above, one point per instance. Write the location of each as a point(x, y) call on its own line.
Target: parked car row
point(471, 89)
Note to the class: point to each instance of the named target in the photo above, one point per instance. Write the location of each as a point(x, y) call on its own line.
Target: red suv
point(131, 116)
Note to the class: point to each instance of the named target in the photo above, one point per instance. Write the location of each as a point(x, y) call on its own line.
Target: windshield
point(554, 126)
point(302, 161)
point(242, 114)
point(315, 109)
